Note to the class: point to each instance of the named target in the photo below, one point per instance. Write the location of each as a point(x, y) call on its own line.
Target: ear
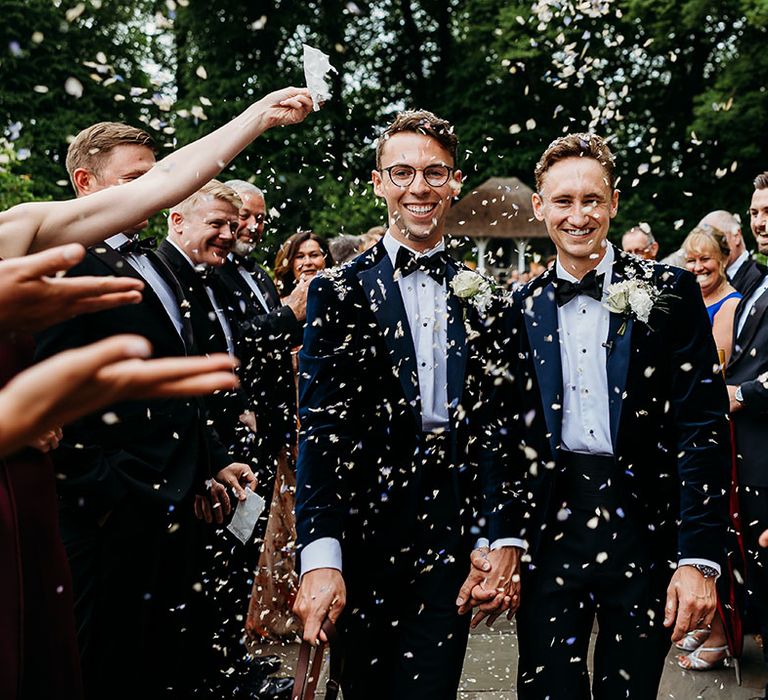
point(83, 181)
point(176, 219)
point(614, 203)
point(655, 248)
point(456, 182)
point(538, 204)
point(378, 185)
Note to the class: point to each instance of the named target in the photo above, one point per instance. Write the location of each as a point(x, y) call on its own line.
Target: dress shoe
point(263, 665)
point(268, 689)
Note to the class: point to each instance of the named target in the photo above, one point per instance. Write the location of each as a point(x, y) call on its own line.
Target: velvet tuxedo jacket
point(360, 417)
point(160, 448)
point(667, 405)
point(748, 367)
point(265, 340)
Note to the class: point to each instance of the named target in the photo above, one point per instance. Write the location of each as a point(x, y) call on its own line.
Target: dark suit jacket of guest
point(360, 418)
point(748, 276)
point(265, 340)
point(748, 367)
point(667, 406)
point(160, 449)
point(224, 407)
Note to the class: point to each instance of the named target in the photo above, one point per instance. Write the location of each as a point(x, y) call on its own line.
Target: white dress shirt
point(583, 324)
point(248, 277)
point(223, 322)
point(141, 264)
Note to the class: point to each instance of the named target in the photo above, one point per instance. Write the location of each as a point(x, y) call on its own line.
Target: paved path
point(491, 666)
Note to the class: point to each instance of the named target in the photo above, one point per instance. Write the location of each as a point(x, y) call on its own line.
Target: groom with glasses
point(397, 474)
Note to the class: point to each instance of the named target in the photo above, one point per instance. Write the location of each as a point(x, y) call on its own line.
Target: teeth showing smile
point(578, 232)
point(420, 209)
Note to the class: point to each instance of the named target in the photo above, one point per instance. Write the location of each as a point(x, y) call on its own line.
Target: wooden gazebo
point(499, 208)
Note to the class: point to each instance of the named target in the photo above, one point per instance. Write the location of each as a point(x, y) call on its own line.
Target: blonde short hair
point(210, 190)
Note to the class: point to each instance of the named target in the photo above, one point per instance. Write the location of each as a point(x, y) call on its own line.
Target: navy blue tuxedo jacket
point(667, 408)
point(360, 417)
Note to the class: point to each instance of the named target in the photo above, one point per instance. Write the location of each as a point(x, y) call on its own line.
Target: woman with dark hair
point(304, 254)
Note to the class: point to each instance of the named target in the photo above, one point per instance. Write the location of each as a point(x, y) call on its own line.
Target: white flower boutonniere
point(633, 298)
point(472, 287)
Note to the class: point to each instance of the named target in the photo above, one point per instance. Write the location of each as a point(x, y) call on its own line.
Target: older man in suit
point(392, 484)
point(614, 349)
point(747, 378)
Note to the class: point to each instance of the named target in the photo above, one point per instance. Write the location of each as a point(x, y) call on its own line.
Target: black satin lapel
point(383, 295)
point(117, 262)
point(457, 345)
point(618, 352)
point(751, 326)
point(541, 324)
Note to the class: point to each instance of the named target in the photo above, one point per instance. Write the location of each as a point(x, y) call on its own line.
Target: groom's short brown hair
point(584, 145)
point(420, 121)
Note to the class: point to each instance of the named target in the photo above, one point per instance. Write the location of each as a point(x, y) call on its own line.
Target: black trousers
point(592, 562)
point(402, 637)
point(753, 501)
point(144, 626)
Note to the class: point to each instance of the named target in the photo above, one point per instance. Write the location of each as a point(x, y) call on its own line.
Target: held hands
point(321, 594)
point(284, 107)
point(493, 584)
point(48, 441)
point(216, 504)
point(691, 601)
point(33, 297)
point(734, 405)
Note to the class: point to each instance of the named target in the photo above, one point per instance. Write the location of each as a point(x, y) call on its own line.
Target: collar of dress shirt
point(186, 257)
point(604, 267)
point(733, 268)
point(392, 245)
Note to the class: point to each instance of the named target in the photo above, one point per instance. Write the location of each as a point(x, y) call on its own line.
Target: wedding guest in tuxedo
point(613, 349)
point(706, 256)
point(130, 479)
point(746, 377)
point(129, 488)
point(743, 272)
point(201, 235)
point(269, 329)
point(639, 241)
point(299, 259)
point(391, 487)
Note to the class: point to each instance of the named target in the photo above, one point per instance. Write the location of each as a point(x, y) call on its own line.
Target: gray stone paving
point(491, 665)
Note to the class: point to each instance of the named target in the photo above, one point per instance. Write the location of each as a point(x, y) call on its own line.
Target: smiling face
point(206, 230)
point(416, 211)
point(251, 222)
point(577, 205)
point(309, 259)
point(705, 262)
point(758, 219)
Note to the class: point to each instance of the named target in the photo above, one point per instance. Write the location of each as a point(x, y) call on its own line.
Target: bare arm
point(36, 226)
point(722, 328)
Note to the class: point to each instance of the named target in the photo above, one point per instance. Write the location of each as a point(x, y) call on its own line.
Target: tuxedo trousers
point(144, 626)
point(401, 635)
point(592, 562)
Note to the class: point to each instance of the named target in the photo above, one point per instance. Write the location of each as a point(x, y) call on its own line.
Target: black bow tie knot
point(137, 246)
point(590, 285)
point(407, 262)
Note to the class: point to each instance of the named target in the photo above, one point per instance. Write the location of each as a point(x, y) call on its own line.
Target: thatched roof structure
point(499, 208)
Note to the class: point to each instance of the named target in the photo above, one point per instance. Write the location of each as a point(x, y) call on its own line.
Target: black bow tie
point(207, 273)
point(137, 246)
point(408, 262)
point(591, 285)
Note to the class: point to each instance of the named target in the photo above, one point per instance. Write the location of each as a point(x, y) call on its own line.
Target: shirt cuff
point(704, 562)
point(323, 553)
point(502, 542)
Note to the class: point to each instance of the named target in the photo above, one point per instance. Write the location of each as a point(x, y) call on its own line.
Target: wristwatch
point(738, 395)
point(705, 571)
